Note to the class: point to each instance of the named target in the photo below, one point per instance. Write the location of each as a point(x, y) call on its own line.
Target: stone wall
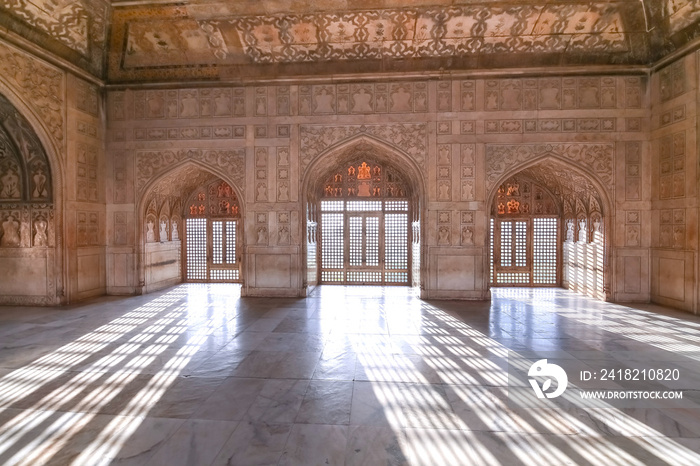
point(61, 212)
point(673, 219)
point(461, 136)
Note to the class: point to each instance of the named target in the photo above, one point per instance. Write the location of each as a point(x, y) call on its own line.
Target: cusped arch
point(316, 172)
point(585, 172)
point(177, 169)
point(168, 179)
point(349, 150)
point(592, 183)
point(52, 151)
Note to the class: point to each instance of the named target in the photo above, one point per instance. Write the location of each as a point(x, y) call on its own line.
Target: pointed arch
point(182, 178)
point(566, 179)
point(322, 166)
point(589, 175)
point(29, 122)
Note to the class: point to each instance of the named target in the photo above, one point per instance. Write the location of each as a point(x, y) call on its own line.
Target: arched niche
point(187, 191)
point(581, 206)
point(29, 226)
point(330, 176)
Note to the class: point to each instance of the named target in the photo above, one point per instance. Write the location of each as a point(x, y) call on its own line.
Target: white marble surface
point(196, 376)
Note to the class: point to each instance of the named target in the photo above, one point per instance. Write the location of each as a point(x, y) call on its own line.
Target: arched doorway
point(363, 216)
point(524, 235)
point(548, 228)
point(364, 228)
point(212, 234)
point(191, 229)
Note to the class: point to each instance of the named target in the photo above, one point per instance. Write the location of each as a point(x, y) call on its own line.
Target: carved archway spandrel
point(151, 164)
point(39, 85)
point(595, 158)
point(410, 139)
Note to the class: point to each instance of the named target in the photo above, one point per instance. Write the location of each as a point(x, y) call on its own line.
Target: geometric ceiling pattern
point(149, 41)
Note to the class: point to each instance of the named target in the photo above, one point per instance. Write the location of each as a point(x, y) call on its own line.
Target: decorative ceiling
point(153, 41)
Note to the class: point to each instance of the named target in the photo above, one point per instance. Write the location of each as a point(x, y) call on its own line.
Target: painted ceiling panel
point(152, 40)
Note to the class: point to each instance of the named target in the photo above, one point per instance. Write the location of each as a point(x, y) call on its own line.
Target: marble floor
point(196, 375)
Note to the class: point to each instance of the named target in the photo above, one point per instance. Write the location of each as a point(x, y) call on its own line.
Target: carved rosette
point(408, 138)
point(597, 158)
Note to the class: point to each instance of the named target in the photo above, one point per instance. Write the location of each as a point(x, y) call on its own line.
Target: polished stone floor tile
point(197, 375)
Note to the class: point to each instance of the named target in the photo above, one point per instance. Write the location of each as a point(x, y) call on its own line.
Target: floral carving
point(41, 85)
point(594, 157)
point(153, 163)
point(409, 138)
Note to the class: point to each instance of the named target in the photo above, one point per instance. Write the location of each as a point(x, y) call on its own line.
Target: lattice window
point(514, 278)
point(396, 241)
point(401, 206)
point(217, 231)
point(222, 274)
point(506, 244)
point(332, 240)
point(364, 277)
point(545, 251)
point(332, 206)
point(364, 206)
point(196, 230)
point(520, 242)
point(327, 276)
point(210, 234)
point(356, 237)
point(396, 277)
point(231, 226)
point(491, 239)
point(358, 234)
point(372, 241)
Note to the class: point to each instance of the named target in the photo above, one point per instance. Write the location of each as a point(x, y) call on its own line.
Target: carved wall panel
point(467, 172)
point(672, 81)
point(283, 176)
point(41, 85)
point(444, 172)
point(633, 92)
point(633, 170)
point(26, 185)
point(86, 172)
point(672, 229)
point(190, 133)
point(409, 138)
point(633, 228)
point(672, 116)
point(120, 229)
point(367, 98)
point(597, 158)
point(183, 103)
point(87, 228)
point(87, 97)
point(468, 96)
point(551, 94)
point(150, 164)
point(672, 160)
